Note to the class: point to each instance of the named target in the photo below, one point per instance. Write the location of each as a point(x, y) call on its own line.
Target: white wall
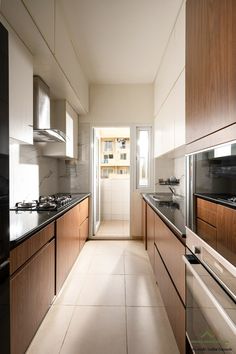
point(169, 91)
point(115, 195)
point(120, 105)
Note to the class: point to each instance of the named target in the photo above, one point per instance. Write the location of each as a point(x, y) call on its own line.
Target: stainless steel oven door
point(215, 263)
point(210, 311)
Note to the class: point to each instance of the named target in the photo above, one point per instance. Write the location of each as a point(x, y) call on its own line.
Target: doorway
point(111, 183)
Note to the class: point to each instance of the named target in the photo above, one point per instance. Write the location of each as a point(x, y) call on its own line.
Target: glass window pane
point(143, 157)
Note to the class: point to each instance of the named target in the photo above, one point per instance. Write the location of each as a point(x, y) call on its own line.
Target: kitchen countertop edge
point(25, 236)
point(172, 227)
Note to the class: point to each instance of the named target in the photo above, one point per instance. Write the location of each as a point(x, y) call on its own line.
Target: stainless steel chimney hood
point(42, 127)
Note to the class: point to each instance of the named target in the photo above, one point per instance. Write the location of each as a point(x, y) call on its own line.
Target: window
point(143, 135)
point(123, 156)
point(108, 145)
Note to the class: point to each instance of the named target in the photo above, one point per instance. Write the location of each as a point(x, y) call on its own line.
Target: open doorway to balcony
point(111, 182)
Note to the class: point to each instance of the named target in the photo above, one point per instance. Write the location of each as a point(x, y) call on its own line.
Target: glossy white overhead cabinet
point(65, 119)
point(41, 25)
point(169, 95)
point(20, 91)
point(43, 15)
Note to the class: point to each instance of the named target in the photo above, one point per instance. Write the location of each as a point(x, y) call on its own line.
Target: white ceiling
point(120, 41)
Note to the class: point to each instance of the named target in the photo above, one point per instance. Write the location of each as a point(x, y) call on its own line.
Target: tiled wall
point(115, 198)
point(31, 174)
point(166, 167)
point(74, 176)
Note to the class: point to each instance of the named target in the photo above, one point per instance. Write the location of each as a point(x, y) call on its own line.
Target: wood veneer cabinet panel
point(206, 211)
point(25, 250)
point(150, 233)
point(174, 307)
point(226, 233)
point(144, 222)
point(207, 232)
point(32, 289)
point(84, 228)
point(68, 244)
point(172, 251)
point(210, 66)
point(84, 210)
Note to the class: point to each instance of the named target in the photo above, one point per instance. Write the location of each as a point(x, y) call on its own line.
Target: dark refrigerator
point(4, 195)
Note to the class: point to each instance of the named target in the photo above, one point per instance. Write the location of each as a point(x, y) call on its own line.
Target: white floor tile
point(141, 290)
point(103, 290)
point(71, 290)
point(137, 264)
point(52, 331)
point(107, 264)
point(96, 330)
point(149, 331)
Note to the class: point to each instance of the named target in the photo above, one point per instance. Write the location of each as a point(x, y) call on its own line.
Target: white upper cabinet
point(179, 105)
point(43, 15)
point(41, 26)
point(169, 92)
point(170, 122)
point(173, 62)
point(65, 119)
point(67, 57)
point(20, 91)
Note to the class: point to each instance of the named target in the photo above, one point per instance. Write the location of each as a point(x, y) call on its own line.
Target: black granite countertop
point(171, 211)
point(217, 198)
point(23, 224)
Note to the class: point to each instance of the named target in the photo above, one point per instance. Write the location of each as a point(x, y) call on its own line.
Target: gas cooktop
point(44, 203)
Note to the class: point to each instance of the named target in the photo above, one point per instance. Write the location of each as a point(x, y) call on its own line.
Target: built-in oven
point(210, 311)
point(211, 249)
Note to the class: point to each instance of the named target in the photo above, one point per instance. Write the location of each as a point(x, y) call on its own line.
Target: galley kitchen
point(117, 177)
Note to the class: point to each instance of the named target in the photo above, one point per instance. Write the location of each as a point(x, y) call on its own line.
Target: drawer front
point(83, 232)
point(207, 232)
point(32, 289)
point(68, 244)
point(171, 250)
point(20, 254)
point(174, 307)
point(206, 211)
point(150, 234)
point(83, 210)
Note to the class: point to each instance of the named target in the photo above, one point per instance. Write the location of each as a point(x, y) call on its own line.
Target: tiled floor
point(110, 304)
point(113, 228)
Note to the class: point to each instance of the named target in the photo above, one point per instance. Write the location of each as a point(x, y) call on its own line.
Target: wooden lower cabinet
point(221, 236)
point(150, 233)
point(144, 223)
point(172, 251)
point(67, 244)
point(32, 288)
point(226, 233)
point(83, 230)
point(174, 306)
point(71, 234)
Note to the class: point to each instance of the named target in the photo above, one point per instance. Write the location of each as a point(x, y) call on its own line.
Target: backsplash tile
point(74, 176)
point(31, 174)
point(165, 168)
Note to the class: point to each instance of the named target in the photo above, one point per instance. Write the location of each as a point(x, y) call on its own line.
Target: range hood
point(42, 130)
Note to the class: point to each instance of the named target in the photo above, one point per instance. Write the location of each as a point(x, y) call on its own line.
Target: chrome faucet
point(172, 190)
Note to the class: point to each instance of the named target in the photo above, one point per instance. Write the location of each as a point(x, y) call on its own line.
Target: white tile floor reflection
point(110, 304)
point(113, 228)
